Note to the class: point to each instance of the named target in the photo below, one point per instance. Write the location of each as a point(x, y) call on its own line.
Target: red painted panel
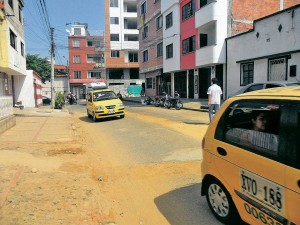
point(187, 30)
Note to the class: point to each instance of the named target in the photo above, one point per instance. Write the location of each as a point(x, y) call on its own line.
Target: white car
point(265, 85)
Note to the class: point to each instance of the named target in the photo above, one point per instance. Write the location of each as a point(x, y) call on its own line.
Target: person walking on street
point(214, 98)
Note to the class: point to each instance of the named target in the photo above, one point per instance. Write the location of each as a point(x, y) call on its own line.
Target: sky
point(61, 14)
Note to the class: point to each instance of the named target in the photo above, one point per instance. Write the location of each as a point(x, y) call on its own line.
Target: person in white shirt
point(214, 98)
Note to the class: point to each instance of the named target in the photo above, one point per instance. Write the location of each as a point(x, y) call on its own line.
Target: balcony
point(207, 13)
point(213, 54)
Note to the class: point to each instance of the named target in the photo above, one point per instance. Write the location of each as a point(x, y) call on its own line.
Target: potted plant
point(59, 101)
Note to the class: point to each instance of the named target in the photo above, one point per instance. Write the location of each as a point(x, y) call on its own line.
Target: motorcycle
point(147, 101)
point(160, 101)
point(72, 99)
point(173, 102)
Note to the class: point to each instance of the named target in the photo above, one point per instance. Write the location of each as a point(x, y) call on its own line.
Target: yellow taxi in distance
point(251, 158)
point(104, 103)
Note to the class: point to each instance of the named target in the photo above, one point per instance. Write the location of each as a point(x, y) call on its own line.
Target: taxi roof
point(291, 91)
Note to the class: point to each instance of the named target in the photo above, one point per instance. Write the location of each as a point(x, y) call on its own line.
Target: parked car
point(251, 158)
point(46, 100)
point(265, 85)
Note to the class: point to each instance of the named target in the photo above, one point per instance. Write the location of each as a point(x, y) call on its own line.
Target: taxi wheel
point(220, 202)
point(94, 117)
point(89, 115)
point(122, 116)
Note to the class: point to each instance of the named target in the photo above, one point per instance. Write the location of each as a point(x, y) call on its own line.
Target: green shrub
point(59, 100)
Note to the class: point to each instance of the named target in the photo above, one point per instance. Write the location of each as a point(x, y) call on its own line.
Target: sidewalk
point(188, 104)
point(39, 125)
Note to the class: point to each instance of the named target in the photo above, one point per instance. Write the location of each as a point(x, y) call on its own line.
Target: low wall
point(7, 118)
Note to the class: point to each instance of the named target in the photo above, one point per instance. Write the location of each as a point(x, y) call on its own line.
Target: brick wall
point(154, 36)
point(244, 12)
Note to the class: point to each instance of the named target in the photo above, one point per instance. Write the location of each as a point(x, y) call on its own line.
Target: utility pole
point(52, 68)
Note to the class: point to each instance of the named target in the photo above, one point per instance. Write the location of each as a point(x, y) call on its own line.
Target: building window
point(144, 8)
point(145, 56)
point(114, 3)
point(114, 37)
point(145, 32)
point(149, 83)
point(77, 31)
point(115, 54)
point(169, 51)
point(114, 20)
point(94, 74)
point(188, 10)
point(203, 40)
point(76, 59)
point(159, 22)
point(189, 45)
point(159, 50)
point(77, 74)
point(22, 49)
point(133, 57)
point(247, 73)
point(169, 20)
point(20, 14)
point(203, 3)
point(75, 43)
point(11, 4)
point(13, 39)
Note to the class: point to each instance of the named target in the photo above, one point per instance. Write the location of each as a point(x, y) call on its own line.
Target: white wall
point(172, 35)
point(24, 90)
point(268, 44)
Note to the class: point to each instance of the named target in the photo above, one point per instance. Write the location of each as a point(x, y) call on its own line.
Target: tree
point(39, 65)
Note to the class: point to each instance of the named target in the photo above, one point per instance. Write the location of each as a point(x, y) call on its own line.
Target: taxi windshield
point(105, 95)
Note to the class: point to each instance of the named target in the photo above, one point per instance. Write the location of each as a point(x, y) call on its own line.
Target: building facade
point(150, 25)
point(268, 52)
point(86, 59)
point(121, 45)
point(61, 81)
point(12, 58)
point(194, 34)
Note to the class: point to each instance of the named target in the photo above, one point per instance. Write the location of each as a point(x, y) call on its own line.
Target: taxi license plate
point(111, 111)
point(263, 191)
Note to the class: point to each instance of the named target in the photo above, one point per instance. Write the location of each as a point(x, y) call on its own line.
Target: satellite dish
point(68, 31)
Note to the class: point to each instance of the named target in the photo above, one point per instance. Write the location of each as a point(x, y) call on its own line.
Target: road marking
point(12, 183)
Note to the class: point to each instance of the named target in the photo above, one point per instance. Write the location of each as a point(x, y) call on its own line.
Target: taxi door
point(89, 102)
point(254, 178)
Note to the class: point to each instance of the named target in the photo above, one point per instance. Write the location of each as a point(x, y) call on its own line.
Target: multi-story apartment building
point(121, 44)
point(150, 26)
point(12, 57)
point(194, 34)
point(86, 59)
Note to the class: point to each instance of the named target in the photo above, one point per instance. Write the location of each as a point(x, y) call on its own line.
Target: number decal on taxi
point(260, 215)
point(263, 190)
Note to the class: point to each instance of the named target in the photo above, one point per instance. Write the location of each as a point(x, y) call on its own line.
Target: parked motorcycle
point(160, 101)
point(148, 101)
point(173, 102)
point(72, 99)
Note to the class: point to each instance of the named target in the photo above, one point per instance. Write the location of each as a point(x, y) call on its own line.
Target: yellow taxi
point(251, 158)
point(104, 103)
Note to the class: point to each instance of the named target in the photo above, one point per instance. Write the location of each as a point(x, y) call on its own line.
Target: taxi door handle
point(222, 151)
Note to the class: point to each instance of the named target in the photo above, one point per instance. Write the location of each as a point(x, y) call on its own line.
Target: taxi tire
point(94, 117)
point(232, 216)
point(122, 116)
point(88, 114)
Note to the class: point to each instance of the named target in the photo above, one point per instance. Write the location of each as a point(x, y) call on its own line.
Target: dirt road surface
point(88, 182)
